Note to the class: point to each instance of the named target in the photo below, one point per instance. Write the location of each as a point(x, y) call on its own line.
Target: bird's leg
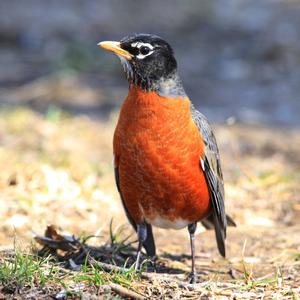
point(192, 228)
point(142, 236)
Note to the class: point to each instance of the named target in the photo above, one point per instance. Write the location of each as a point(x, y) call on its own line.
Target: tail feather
point(230, 221)
point(212, 223)
point(220, 237)
point(208, 223)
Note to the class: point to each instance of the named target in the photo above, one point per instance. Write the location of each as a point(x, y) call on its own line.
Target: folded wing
point(211, 167)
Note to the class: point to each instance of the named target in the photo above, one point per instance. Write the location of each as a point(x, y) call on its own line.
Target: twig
point(124, 292)
point(162, 278)
point(106, 267)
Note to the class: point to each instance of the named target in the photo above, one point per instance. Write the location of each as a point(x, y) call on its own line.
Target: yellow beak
point(115, 47)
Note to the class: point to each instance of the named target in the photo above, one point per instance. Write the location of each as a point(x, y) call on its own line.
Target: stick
point(163, 278)
point(124, 292)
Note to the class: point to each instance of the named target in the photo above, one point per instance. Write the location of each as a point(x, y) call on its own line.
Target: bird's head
point(148, 60)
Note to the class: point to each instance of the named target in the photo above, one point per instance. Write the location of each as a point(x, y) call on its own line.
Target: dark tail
point(220, 237)
point(212, 223)
point(230, 221)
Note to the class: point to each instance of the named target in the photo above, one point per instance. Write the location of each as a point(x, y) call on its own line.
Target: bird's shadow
point(181, 258)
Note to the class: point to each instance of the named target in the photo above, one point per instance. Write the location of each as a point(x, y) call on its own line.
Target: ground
point(56, 169)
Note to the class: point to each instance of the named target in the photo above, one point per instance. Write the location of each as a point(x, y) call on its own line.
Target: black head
point(147, 59)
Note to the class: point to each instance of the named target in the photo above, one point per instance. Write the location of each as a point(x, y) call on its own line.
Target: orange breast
point(157, 149)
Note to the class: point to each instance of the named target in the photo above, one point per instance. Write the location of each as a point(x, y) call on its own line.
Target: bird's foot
point(152, 264)
point(193, 277)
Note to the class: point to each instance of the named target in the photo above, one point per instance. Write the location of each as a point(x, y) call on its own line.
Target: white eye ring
point(141, 44)
point(142, 56)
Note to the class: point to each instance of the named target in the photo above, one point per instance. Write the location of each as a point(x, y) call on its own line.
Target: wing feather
point(211, 166)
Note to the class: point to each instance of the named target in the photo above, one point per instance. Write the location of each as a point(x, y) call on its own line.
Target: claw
point(193, 278)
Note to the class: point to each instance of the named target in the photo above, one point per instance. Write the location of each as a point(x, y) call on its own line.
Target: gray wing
point(211, 166)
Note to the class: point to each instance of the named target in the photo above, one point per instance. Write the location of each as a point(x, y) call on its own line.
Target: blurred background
point(237, 58)
point(60, 96)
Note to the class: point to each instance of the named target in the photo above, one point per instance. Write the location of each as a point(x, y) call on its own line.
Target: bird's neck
point(169, 86)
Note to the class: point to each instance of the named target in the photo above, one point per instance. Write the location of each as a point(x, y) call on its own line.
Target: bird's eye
point(144, 50)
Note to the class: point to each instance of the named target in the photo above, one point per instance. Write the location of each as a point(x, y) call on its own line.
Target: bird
point(166, 159)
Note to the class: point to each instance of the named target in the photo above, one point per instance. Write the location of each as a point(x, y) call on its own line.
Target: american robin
point(167, 164)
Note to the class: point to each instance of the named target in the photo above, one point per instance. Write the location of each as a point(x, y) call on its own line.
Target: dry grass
point(56, 169)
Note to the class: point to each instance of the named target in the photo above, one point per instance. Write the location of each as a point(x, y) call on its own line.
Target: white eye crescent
point(140, 44)
point(145, 49)
point(142, 56)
